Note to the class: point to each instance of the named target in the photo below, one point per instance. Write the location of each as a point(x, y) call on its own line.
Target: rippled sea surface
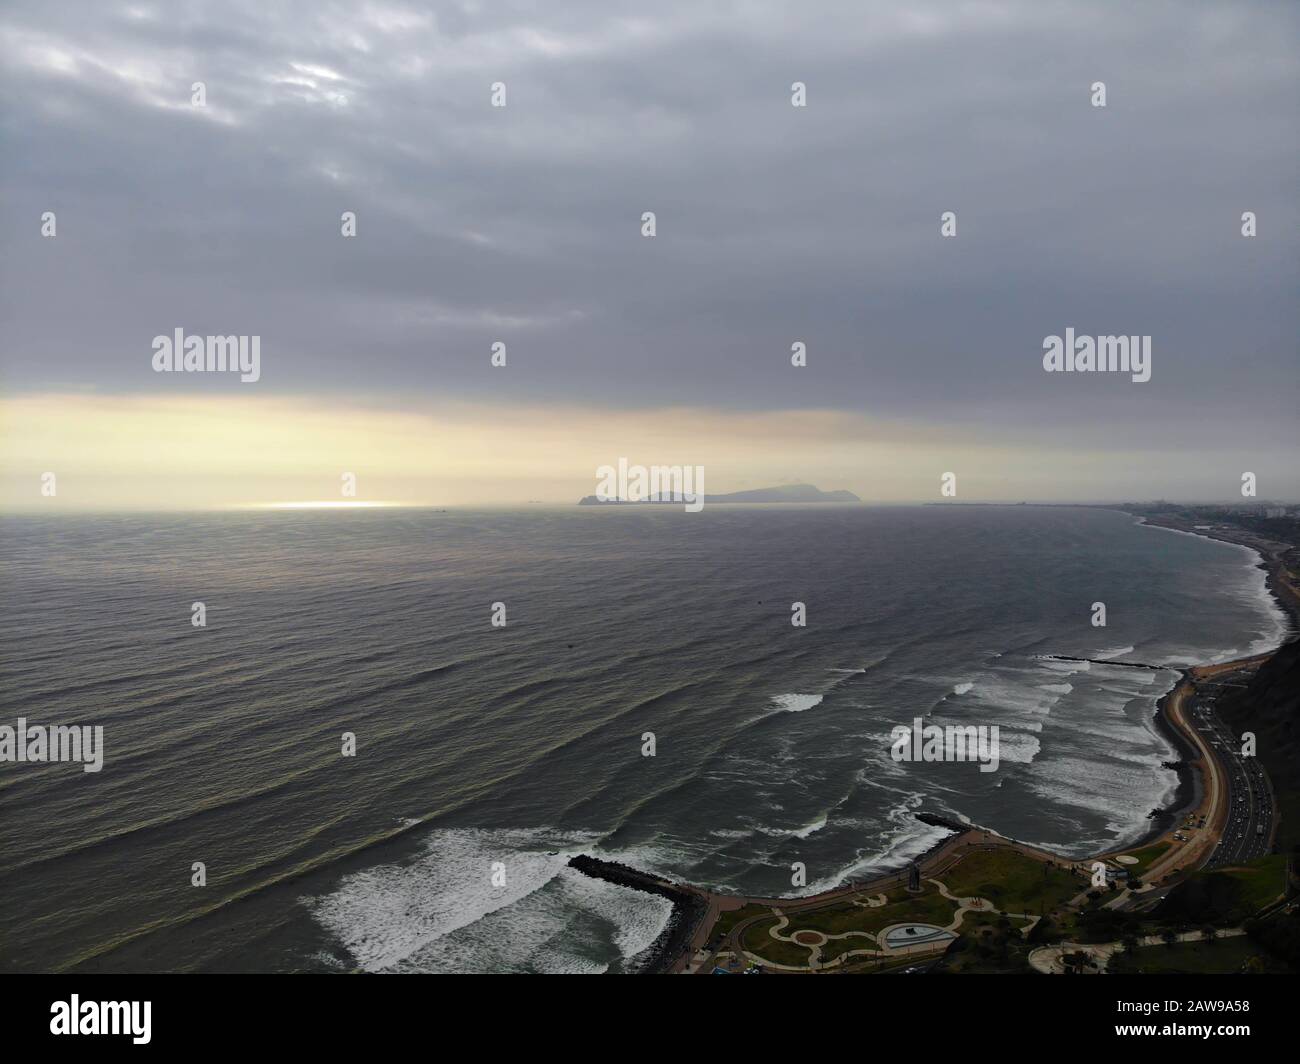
point(485, 755)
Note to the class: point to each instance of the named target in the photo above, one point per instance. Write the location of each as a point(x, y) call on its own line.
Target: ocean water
point(485, 750)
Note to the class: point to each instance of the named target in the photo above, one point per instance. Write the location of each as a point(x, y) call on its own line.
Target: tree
point(1169, 937)
point(1041, 931)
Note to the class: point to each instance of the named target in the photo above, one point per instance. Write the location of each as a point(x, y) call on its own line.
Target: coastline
point(1189, 792)
point(1198, 790)
point(1269, 558)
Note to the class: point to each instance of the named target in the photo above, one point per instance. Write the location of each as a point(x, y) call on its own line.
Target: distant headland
point(786, 493)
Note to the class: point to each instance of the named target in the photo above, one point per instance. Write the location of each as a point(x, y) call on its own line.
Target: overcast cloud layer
point(775, 224)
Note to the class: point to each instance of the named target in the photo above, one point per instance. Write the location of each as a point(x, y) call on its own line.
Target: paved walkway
point(881, 948)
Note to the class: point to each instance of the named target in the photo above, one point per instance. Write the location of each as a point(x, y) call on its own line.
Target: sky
point(523, 225)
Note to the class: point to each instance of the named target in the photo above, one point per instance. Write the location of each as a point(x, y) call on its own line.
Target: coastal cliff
point(1269, 706)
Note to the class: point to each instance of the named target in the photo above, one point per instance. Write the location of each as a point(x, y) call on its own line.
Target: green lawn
point(973, 920)
point(1225, 896)
point(761, 944)
point(1226, 955)
point(1289, 823)
point(728, 920)
point(870, 966)
point(1012, 882)
point(1261, 880)
point(837, 947)
point(927, 907)
point(1148, 855)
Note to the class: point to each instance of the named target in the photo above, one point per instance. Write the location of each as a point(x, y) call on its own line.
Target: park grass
point(973, 920)
point(1148, 855)
point(1224, 897)
point(988, 943)
point(730, 918)
point(1260, 880)
point(759, 942)
point(929, 907)
point(926, 907)
point(1007, 878)
point(1222, 956)
point(1288, 834)
point(880, 965)
point(837, 947)
point(1011, 881)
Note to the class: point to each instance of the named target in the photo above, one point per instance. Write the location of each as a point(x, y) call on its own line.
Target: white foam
point(1277, 623)
point(1067, 667)
point(441, 911)
point(1010, 695)
point(1019, 747)
point(1121, 789)
point(900, 839)
point(796, 703)
point(810, 829)
point(1108, 760)
point(962, 688)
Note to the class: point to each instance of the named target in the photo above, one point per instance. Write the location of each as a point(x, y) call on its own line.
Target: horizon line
point(363, 504)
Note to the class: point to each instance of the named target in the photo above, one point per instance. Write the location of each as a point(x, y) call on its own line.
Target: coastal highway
point(1248, 830)
point(1234, 820)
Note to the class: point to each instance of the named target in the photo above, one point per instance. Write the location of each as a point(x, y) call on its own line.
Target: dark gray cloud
point(775, 224)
